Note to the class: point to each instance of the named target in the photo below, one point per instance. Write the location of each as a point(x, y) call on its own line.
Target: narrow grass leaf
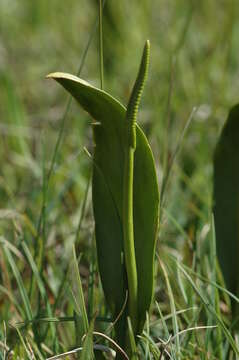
point(12, 299)
point(206, 280)
point(79, 291)
point(211, 309)
point(24, 296)
point(162, 319)
point(218, 348)
point(87, 352)
point(41, 287)
point(147, 331)
point(173, 310)
point(29, 355)
point(133, 346)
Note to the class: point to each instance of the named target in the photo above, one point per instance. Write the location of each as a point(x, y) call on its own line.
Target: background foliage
point(194, 63)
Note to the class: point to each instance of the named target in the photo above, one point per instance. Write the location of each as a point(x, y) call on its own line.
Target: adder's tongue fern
point(128, 224)
point(125, 200)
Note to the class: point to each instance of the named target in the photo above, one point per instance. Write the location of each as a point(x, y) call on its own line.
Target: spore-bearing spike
point(133, 105)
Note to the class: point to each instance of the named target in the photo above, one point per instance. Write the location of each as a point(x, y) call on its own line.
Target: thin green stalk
point(128, 225)
point(173, 311)
point(208, 306)
point(166, 132)
point(167, 162)
point(91, 287)
point(218, 347)
point(101, 53)
point(24, 296)
point(47, 177)
point(42, 293)
point(60, 135)
point(134, 355)
point(128, 229)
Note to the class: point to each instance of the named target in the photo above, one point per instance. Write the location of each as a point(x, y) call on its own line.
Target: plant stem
point(128, 221)
point(101, 54)
point(128, 229)
point(54, 158)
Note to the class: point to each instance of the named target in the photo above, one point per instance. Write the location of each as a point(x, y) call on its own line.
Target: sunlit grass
point(194, 64)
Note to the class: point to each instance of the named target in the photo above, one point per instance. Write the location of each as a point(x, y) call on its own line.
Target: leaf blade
point(226, 199)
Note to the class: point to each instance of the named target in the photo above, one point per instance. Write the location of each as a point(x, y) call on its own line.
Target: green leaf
point(109, 154)
point(133, 346)
point(80, 294)
point(41, 287)
point(82, 326)
point(210, 308)
point(87, 352)
point(226, 199)
point(22, 290)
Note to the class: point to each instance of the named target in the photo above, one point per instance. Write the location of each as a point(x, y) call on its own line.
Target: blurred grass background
point(194, 63)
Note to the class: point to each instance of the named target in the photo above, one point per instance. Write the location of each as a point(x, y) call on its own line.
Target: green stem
point(128, 229)
point(54, 158)
point(101, 44)
point(128, 222)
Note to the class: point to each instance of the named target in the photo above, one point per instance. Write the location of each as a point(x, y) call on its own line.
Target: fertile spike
point(133, 105)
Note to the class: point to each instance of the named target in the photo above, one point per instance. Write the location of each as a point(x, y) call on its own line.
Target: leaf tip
point(147, 43)
point(54, 75)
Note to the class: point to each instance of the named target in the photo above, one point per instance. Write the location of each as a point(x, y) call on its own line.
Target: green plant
point(125, 199)
point(226, 199)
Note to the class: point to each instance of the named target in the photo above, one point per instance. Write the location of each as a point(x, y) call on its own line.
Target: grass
point(194, 63)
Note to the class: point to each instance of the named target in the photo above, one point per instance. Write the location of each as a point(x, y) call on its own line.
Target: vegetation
point(51, 298)
point(226, 201)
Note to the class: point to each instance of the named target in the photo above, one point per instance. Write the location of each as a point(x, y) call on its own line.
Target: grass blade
point(173, 310)
point(87, 352)
point(79, 292)
point(16, 273)
point(133, 346)
point(211, 309)
point(42, 290)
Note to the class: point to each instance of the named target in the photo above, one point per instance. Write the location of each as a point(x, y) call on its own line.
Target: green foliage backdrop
point(194, 64)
